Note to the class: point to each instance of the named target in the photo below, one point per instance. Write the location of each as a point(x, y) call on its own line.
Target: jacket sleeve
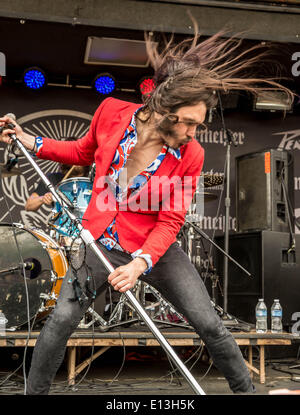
point(171, 220)
point(80, 152)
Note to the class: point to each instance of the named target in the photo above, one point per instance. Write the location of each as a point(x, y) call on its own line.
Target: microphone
point(28, 266)
point(10, 164)
point(8, 125)
point(11, 115)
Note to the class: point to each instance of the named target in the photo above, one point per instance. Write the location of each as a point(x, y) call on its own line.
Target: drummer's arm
point(35, 201)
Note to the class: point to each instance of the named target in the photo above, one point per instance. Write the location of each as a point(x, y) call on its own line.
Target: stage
point(95, 343)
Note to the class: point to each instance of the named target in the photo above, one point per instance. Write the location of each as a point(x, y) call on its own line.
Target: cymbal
point(211, 180)
point(12, 172)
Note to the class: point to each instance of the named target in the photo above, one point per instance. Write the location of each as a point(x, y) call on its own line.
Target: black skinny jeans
point(177, 280)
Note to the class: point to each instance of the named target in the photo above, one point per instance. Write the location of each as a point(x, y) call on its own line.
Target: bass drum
point(20, 299)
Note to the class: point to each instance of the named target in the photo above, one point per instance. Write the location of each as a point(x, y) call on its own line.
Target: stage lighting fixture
point(146, 85)
point(117, 52)
point(34, 78)
point(272, 101)
point(105, 83)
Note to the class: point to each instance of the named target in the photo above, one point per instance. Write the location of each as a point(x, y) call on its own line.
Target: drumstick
point(68, 173)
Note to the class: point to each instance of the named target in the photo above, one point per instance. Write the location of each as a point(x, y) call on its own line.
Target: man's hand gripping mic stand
point(87, 237)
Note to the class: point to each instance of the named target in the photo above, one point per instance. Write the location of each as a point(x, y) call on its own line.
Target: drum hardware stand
point(116, 317)
point(230, 321)
point(165, 308)
point(160, 315)
point(89, 240)
point(227, 318)
point(190, 239)
point(44, 297)
point(95, 317)
point(54, 277)
point(47, 297)
point(214, 283)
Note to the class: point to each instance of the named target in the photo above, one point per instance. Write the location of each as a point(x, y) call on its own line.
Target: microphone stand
point(89, 240)
point(229, 138)
point(227, 214)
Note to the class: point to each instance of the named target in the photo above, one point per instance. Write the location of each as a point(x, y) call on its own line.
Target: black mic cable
point(10, 164)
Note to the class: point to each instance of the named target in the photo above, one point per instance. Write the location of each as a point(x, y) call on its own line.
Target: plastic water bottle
point(3, 322)
point(261, 316)
point(276, 317)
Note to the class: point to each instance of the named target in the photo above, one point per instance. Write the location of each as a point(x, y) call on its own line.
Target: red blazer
point(152, 230)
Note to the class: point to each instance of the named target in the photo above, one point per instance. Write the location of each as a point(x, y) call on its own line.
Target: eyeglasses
point(174, 119)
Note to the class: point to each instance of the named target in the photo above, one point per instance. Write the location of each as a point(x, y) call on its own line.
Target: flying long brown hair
point(193, 71)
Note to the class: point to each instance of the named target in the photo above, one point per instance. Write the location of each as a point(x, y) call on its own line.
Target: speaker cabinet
point(275, 273)
point(262, 181)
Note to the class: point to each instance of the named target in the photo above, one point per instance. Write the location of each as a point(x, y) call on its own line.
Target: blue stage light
point(34, 78)
point(105, 84)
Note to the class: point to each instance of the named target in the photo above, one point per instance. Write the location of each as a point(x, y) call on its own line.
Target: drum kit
point(44, 259)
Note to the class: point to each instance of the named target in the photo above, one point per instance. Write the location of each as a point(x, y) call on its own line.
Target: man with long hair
point(138, 149)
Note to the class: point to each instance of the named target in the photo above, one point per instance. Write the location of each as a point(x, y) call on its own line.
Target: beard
point(169, 135)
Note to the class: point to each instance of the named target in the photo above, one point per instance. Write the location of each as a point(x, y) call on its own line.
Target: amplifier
point(275, 273)
point(262, 181)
